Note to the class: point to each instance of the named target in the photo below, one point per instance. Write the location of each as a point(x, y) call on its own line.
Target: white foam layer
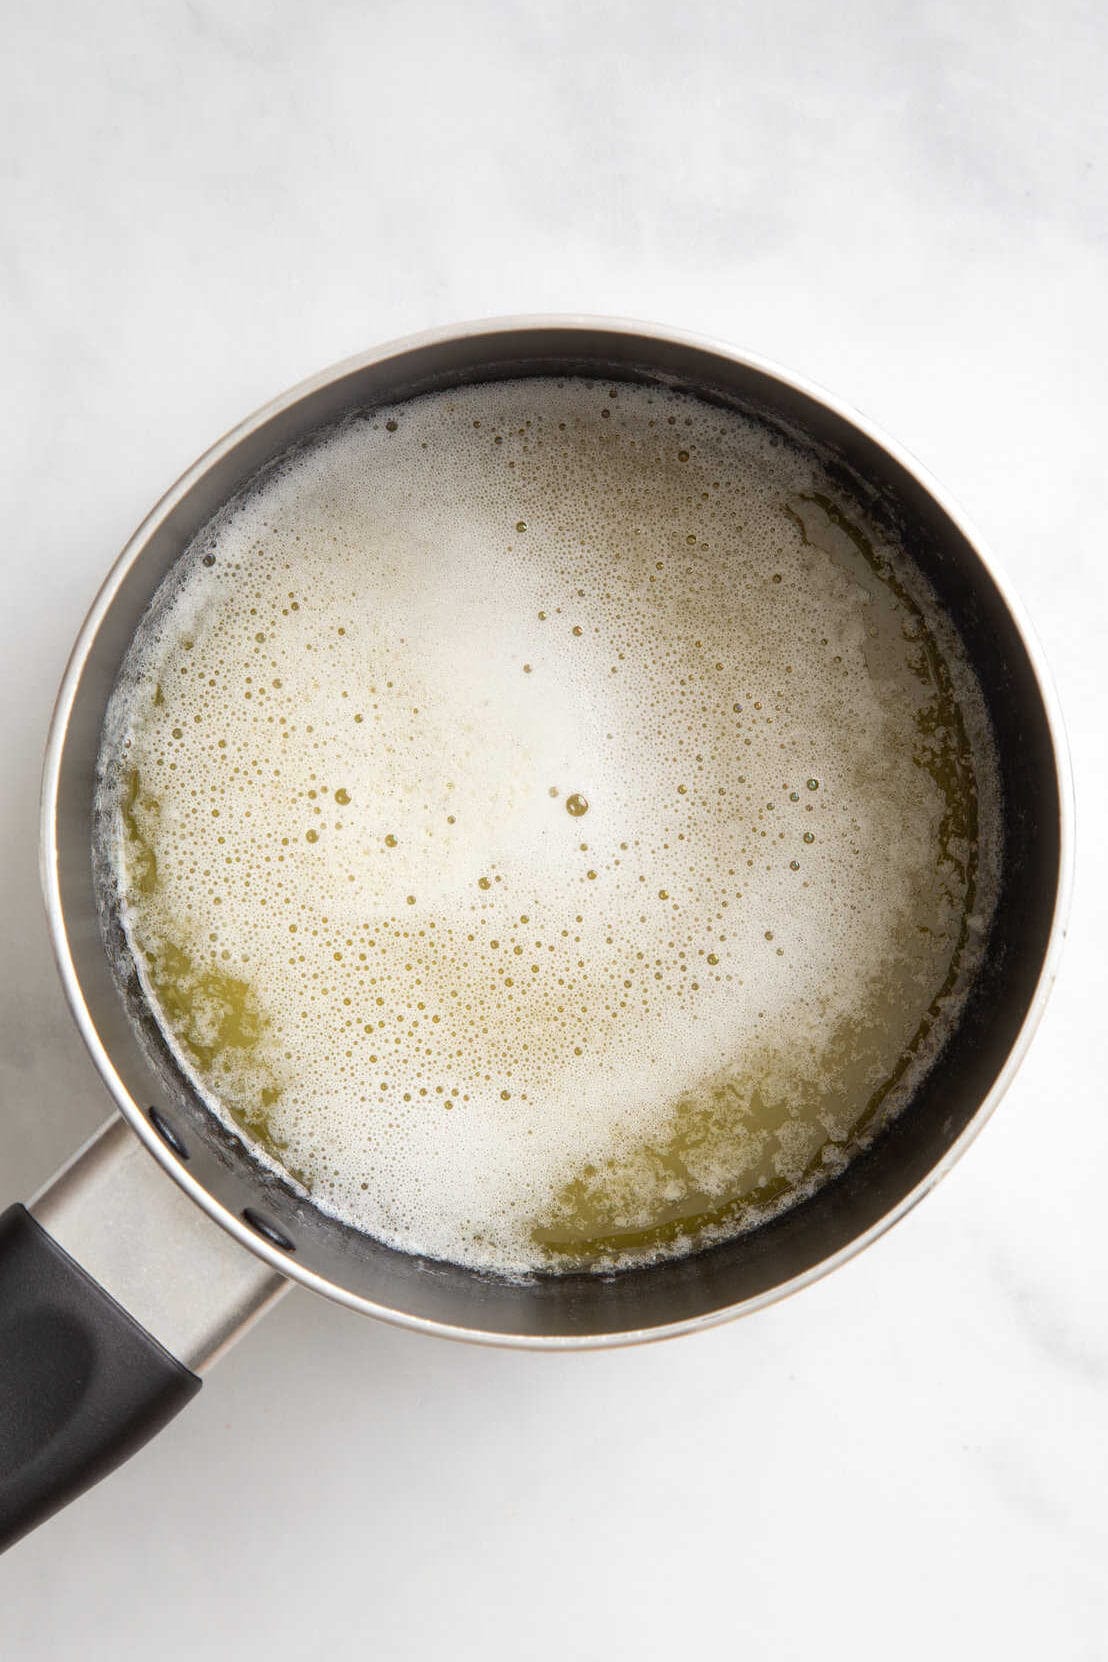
point(358, 719)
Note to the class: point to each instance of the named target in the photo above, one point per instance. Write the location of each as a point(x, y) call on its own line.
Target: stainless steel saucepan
point(162, 1239)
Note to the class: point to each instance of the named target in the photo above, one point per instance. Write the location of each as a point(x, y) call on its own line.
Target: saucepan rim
point(49, 852)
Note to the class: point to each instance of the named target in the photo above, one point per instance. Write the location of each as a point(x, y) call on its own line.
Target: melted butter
point(579, 966)
point(753, 1136)
point(212, 1016)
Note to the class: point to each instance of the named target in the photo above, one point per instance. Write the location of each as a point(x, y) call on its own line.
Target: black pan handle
point(82, 1385)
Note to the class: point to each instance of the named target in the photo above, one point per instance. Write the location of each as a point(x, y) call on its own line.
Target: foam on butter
point(549, 823)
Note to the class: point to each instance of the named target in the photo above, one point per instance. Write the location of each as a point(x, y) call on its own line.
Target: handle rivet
point(268, 1231)
point(167, 1134)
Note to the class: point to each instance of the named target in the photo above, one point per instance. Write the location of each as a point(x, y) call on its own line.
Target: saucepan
point(123, 1281)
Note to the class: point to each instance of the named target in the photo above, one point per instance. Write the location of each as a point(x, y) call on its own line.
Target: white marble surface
point(200, 204)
